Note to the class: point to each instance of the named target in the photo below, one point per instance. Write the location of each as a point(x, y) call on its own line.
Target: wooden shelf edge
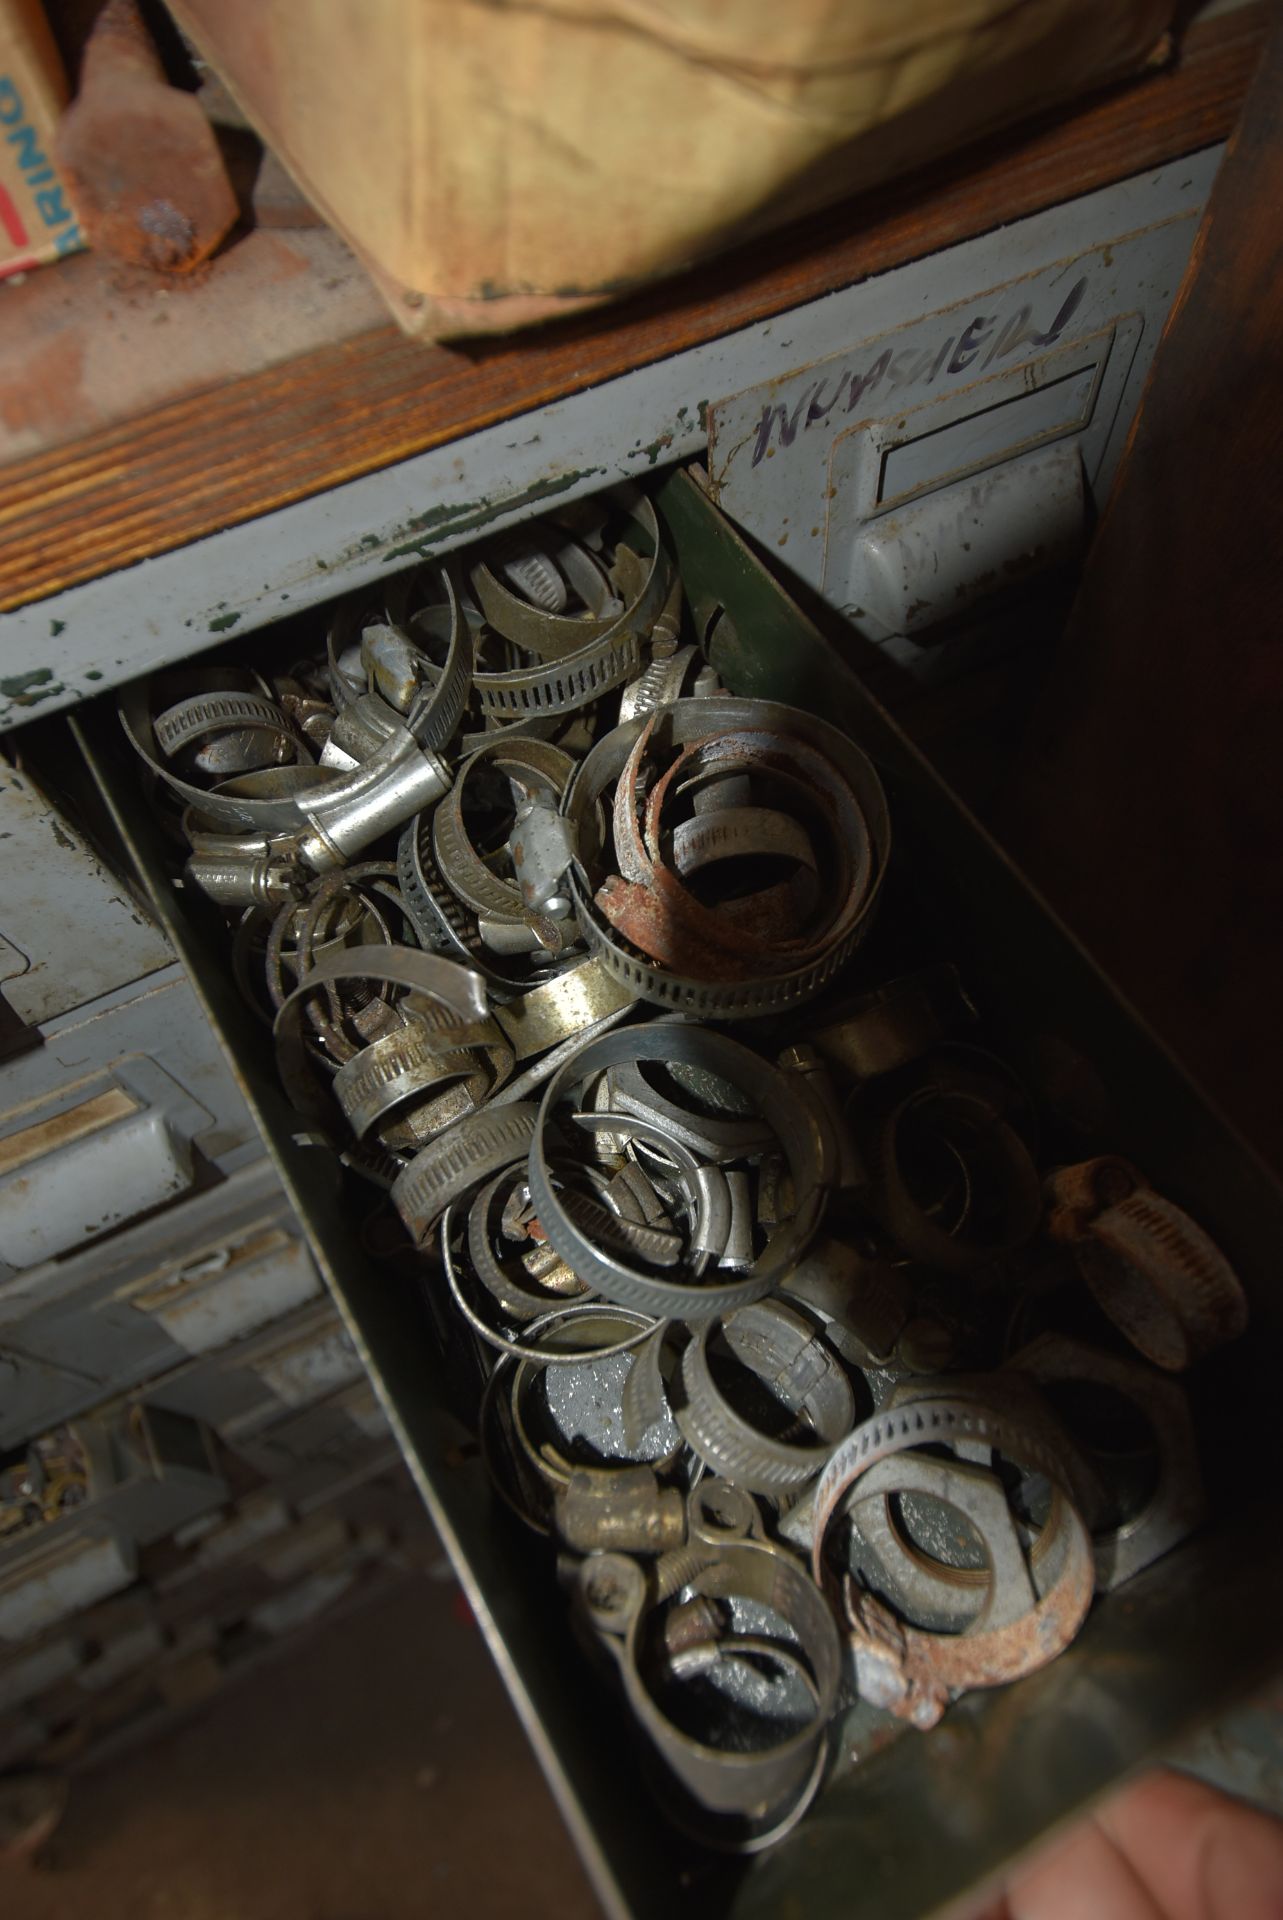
point(216, 459)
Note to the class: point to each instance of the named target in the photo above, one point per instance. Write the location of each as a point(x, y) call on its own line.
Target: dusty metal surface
point(98, 343)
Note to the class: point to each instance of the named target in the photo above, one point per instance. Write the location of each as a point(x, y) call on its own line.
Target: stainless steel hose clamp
point(471, 878)
point(591, 669)
point(337, 818)
point(442, 994)
point(752, 1786)
point(781, 1347)
point(450, 1166)
point(548, 1014)
point(797, 1131)
point(412, 1061)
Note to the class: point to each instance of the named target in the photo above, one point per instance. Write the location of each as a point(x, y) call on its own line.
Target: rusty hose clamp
point(649, 901)
point(1154, 1272)
point(907, 1669)
point(695, 722)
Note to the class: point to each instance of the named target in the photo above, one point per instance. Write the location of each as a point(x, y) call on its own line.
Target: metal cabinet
point(164, 1334)
point(123, 1107)
point(836, 434)
point(235, 1586)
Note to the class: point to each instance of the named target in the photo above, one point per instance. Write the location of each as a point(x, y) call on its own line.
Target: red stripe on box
point(12, 220)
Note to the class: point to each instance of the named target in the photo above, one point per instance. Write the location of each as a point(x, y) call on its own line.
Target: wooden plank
point(1149, 804)
point(212, 459)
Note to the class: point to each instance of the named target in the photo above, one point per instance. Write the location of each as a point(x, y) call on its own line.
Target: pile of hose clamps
point(828, 1379)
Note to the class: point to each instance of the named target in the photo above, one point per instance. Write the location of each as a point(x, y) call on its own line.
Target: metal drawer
point(144, 1472)
point(125, 1106)
point(297, 1360)
point(69, 932)
point(254, 1572)
point(190, 1279)
point(934, 1814)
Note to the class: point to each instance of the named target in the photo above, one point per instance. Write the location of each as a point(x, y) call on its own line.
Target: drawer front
point(124, 1107)
point(118, 1664)
point(188, 1280)
point(69, 932)
point(77, 1507)
point(333, 1435)
point(301, 1358)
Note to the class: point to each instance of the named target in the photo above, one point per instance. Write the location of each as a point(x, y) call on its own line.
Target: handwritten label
point(984, 340)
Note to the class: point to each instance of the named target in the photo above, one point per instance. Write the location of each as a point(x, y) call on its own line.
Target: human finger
point(1202, 1854)
point(1085, 1876)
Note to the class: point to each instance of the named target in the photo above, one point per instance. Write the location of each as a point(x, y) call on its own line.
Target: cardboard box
point(37, 220)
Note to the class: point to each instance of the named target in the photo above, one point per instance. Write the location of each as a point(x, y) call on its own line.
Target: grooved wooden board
point(213, 458)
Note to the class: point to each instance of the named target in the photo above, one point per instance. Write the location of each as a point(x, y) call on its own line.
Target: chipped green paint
point(702, 416)
point(469, 515)
point(19, 683)
point(56, 627)
point(224, 622)
point(92, 673)
point(657, 449)
point(29, 689)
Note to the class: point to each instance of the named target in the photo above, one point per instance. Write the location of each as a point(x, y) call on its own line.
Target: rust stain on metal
point(45, 1136)
point(1166, 1286)
point(1075, 1195)
point(924, 1669)
point(1153, 1271)
point(772, 928)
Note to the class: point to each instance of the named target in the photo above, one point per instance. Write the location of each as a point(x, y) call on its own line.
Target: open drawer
point(932, 1815)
